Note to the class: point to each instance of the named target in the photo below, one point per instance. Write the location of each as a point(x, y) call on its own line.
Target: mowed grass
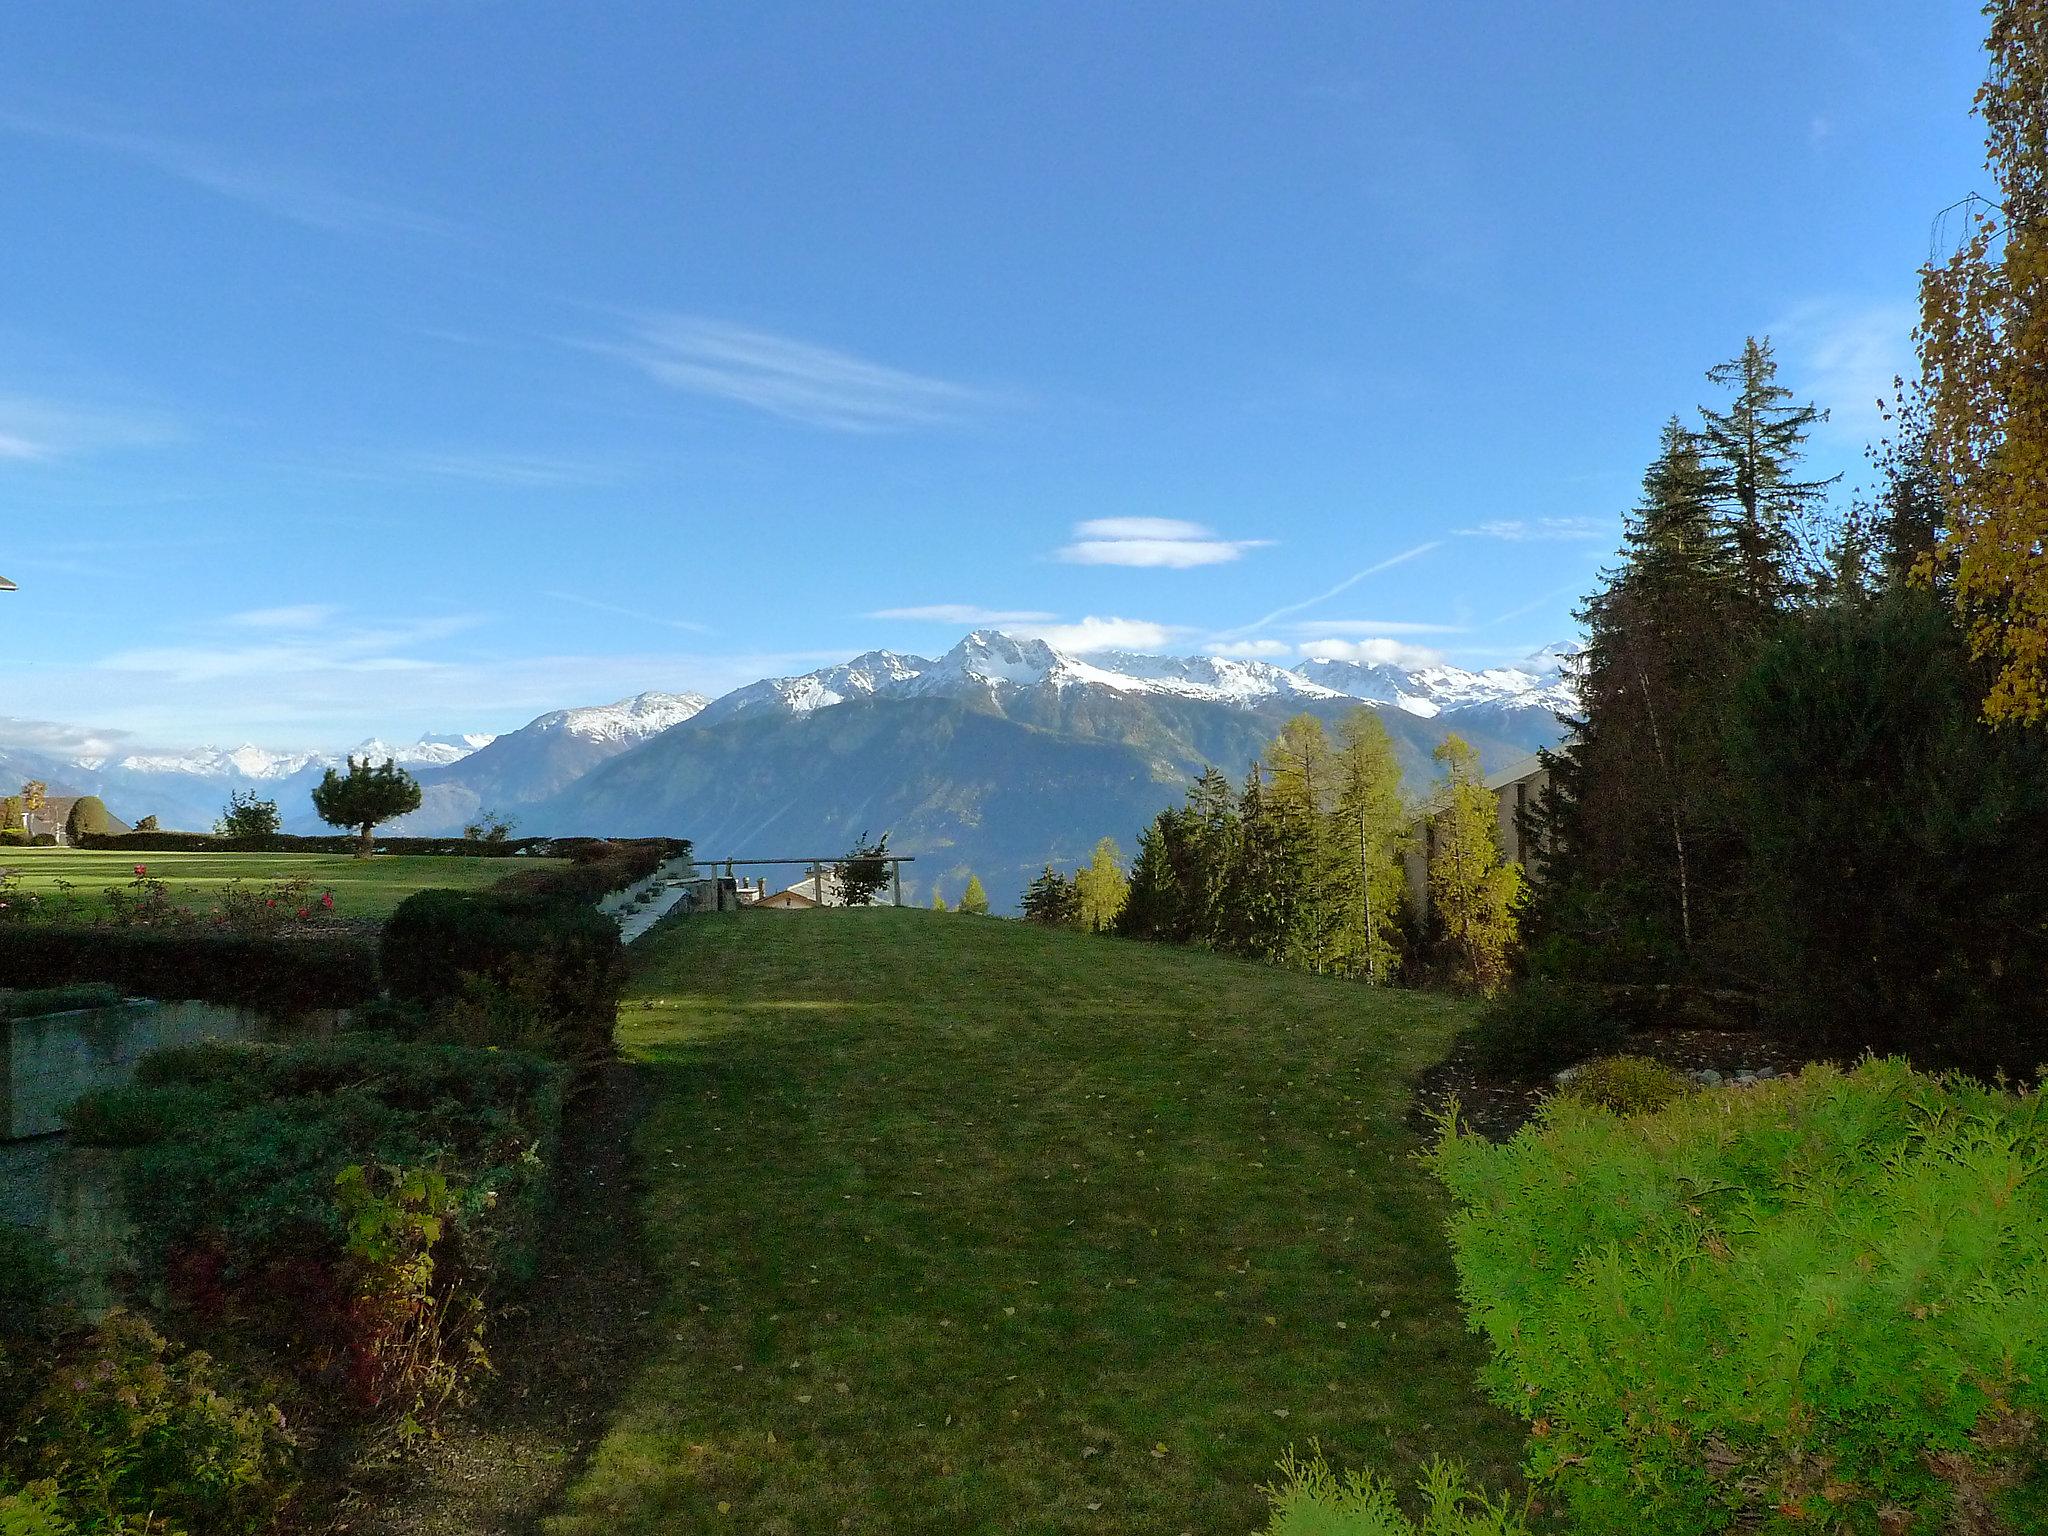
point(363, 888)
point(969, 1226)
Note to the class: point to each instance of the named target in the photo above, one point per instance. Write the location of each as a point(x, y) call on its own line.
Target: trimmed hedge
point(206, 842)
point(257, 970)
point(558, 957)
point(596, 869)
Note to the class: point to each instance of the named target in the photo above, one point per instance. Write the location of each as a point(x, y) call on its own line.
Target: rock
point(1566, 1075)
point(1708, 1076)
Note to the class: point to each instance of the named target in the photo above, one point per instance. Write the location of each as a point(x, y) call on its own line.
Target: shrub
point(131, 1426)
point(1819, 1304)
point(32, 1282)
point(236, 1172)
point(88, 818)
point(43, 840)
point(557, 965)
point(1541, 1025)
point(1311, 1500)
point(266, 971)
point(13, 837)
point(1628, 1085)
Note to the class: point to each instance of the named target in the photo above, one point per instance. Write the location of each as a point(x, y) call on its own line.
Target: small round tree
point(248, 815)
point(88, 818)
point(864, 871)
point(364, 796)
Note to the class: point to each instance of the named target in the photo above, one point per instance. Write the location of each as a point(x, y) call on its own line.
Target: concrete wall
point(50, 1061)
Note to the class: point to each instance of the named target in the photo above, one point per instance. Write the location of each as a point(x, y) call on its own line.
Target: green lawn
point(362, 888)
point(968, 1226)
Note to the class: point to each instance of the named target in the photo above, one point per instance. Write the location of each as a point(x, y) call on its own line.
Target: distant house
point(820, 888)
point(1515, 791)
point(56, 811)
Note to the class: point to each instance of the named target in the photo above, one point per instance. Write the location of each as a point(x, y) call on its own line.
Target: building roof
point(1514, 773)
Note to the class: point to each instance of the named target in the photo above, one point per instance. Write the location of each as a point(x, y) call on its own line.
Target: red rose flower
point(142, 869)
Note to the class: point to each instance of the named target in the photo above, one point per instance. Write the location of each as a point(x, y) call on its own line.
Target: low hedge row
point(257, 970)
point(596, 869)
point(498, 967)
point(206, 842)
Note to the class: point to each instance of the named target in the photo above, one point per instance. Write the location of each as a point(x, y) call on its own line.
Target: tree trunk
point(366, 843)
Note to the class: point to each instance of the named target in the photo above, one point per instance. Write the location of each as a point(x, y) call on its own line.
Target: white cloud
point(1157, 542)
point(288, 192)
point(61, 740)
point(1379, 651)
point(1345, 585)
point(494, 467)
point(1517, 530)
point(629, 613)
point(297, 616)
point(796, 380)
point(963, 613)
point(1250, 649)
point(1103, 634)
point(1846, 356)
point(33, 429)
point(1373, 627)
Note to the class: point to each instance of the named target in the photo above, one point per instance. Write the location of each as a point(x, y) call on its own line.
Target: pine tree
point(1156, 906)
point(1205, 854)
point(1634, 825)
point(1101, 889)
point(1051, 900)
point(974, 900)
point(1256, 897)
point(1302, 796)
point(1474, 890)
point(1755, 445)
point(1368, 837)
point(1984, 356)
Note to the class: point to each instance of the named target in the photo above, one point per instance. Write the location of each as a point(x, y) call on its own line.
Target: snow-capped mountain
point(989, 663)
point(645, 714)
point(866, 675)
point(258, 764)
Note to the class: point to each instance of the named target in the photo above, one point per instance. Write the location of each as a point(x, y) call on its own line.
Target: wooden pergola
point(817, 868)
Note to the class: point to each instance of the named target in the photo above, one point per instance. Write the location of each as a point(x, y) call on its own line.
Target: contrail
point(1323, 597)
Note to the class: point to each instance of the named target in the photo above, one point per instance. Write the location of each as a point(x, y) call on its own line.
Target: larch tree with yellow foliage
point(1984, 360)
point(1474, 889)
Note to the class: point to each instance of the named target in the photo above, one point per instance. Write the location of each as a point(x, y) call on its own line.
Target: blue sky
point(383, 367)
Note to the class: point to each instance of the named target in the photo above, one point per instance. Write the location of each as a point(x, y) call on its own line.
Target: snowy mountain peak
point(644, 714)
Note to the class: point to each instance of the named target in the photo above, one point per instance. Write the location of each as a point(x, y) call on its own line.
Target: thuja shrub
point(1815, 1304)
point(554, 968)
point(1628, 1085)
point(1309, 1499)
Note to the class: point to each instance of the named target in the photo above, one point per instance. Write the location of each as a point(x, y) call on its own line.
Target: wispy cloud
point(1380, 651)
point(1372, 627)
point(290, 192)
point(494, 467)
point(307, 642)
point(964, 613)
point(1846, 355)
point(37, 430)
point(614, 609)
point(1535, 603)
point(294, 616)
point(1251, 650)
point(1519, 530)
point(1152, 541)
point(1104, 634)
point(1345, 585)
point(795, 380)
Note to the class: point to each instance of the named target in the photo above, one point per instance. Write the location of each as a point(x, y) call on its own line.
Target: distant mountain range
point(994, 757)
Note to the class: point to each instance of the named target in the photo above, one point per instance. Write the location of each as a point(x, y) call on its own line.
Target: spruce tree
point(1256, 897)
point(1474, 890)
point(1368, 838)
point(1755, 445)
point(1156, 903)
point(1205, 854)
point(974, 900)
point(1051, 899)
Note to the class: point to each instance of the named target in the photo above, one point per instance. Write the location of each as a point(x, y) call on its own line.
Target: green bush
point(1628, 1085)
point(556, 966)
point(1541, 1025)
point(1820, 1304)
point(1311, 1500)
point(236, 1167)
point(32, 1282)
point(88, 818)
point(43, 840)
point(13, 837)
point(277, 971)
point(130, 1426)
